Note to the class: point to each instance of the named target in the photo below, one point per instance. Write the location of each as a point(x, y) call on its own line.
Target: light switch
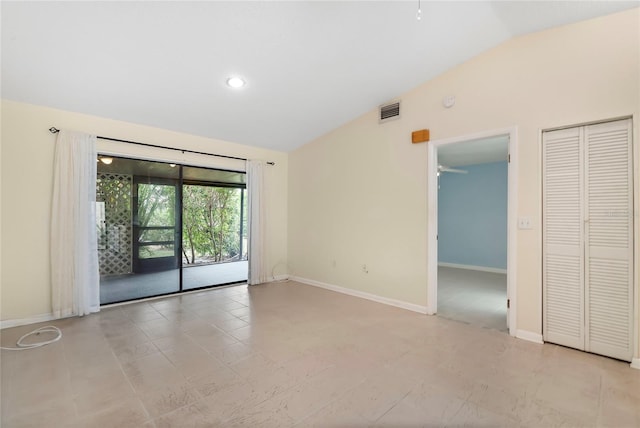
point(524, 223)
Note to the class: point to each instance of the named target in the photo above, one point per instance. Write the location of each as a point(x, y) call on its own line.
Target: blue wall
point(472, 216)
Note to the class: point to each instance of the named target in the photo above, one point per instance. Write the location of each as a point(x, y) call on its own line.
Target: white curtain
point(74, 250)
point(255, 190)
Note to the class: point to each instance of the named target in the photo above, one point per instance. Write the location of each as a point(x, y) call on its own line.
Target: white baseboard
point(635, 363)
point(26, 321)
point(363, 295)
point(277, 278)
point(472, 267)
point(529, 336)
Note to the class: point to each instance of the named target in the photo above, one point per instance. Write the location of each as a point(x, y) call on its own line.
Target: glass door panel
point(213, 218)
point(138, 229)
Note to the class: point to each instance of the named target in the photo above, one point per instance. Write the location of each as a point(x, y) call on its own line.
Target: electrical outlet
point(524, 223)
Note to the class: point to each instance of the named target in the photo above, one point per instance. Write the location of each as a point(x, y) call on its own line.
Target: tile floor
point(286, 354)
point(473, 297)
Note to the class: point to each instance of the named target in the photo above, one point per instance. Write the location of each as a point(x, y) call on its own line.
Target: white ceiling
point(485, 150)
point(310, 66)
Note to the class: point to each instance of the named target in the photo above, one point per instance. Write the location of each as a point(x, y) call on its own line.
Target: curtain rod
point(55, 130)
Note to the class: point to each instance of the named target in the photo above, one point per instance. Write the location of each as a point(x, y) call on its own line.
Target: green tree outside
point(210, 221)
point(211, 224)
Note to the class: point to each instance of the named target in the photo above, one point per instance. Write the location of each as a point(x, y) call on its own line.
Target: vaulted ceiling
point(309, 67)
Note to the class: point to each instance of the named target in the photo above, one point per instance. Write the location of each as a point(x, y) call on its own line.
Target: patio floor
point(128, 287)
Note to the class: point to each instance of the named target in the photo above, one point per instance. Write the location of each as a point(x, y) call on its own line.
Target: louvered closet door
point(563, 262)
point(609, 239)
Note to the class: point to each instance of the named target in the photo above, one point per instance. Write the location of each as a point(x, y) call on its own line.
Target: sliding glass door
point(164, 228)
point(213, 229)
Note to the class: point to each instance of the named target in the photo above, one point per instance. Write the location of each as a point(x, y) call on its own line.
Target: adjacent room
point(308, 213)
point(472, 232)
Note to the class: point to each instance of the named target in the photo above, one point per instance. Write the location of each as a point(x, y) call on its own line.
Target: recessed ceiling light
point(106, 160)
point(235, 82)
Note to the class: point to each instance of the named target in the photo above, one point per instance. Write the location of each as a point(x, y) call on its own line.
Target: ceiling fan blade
point(442, 168)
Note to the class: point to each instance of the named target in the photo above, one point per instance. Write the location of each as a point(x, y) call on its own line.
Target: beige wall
point(27, 170)
point(359, 194)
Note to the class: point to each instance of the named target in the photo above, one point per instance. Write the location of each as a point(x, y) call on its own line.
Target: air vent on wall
point(389, 112)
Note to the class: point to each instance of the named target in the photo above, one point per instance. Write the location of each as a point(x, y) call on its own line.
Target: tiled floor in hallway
point(287, 354)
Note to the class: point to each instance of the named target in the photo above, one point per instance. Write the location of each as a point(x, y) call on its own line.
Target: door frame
point(512, 223)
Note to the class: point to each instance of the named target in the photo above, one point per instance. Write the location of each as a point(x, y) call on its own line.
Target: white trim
point(26, 321)
point(512, 230)
point(512, 213)
point(541, 234)
point(590, 122)
point(635, 147)
point(432, 229)
point(277, 278)
point(472, 267)
point(529, 336)
point(363, 295)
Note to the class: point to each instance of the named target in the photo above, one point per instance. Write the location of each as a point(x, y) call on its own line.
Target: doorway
point(471, 152)
point(472, 232)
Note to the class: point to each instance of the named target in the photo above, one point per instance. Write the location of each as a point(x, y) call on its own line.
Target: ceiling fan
point(442, 168)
